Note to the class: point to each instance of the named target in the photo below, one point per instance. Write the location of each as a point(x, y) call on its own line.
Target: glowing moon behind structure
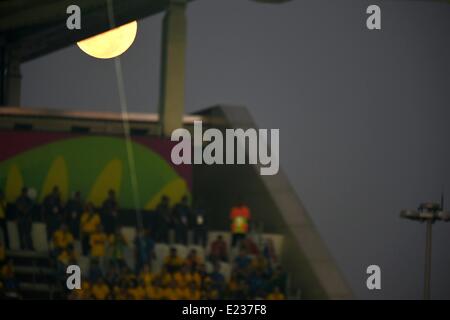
point(111, 43)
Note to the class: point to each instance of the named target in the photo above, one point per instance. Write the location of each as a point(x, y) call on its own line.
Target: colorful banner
point(92, 164)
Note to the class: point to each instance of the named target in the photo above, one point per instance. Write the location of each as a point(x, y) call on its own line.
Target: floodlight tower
point(428, 213)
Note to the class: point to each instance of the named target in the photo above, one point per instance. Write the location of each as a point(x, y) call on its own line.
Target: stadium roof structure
point(40, 25)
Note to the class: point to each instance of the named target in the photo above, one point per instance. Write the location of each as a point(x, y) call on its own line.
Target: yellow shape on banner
point(109, 178)
point(111, 43)
point(175, 190)
point(14, 183)
point(57, 176)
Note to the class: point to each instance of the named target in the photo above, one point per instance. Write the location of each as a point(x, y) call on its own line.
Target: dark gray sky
point(363, 115)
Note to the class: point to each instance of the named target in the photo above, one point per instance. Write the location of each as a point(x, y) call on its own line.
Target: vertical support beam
point(13, 78)
point(171, 105)
point(2, 72)
point(10, 82)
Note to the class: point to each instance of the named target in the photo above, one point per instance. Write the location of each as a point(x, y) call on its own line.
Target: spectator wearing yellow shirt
point(153, 291)
point(121, 293)
point(170, 292)
point(182, 277)
point(196, 278)
point(165, 277)
point(276, 294)
point(137, 291)
point(100, 290)
point(84, 293)
point(146, 276)
point(89, 222)
point(98, 241)
point(65, 258)
point(189, 292)
point(173, 262)
point(62, 238)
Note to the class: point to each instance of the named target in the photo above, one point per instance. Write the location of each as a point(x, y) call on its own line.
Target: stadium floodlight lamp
point(444, 215)
point(410, 214)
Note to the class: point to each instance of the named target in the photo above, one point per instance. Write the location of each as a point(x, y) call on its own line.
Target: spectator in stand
point(98, 242)
point(74, 209)
point(192, 260)
point(127, 276)
point(182, 276)
point(88, 225)
point(170, 292)
point(84, 293)
point(203, 274)
point(218, 251)
point(256, 283)
point(3, 224)
point(242, 291)
point(269, 252)
point(95, 272)
point(193, 292)
point(62, 239)
point(117, 246)
point(165, 276)
point(181, 218)
point(24, 206)
point(137, 290)
point(121, 292)
point(249, 245)
point(51, 211)
point(146, 275)
point(173, 262)
point(242, 261)
point(240, 219)
point(163, 220)
point(144, 246)
point(112, 277)
point(9, 276)
point(276, 294)
point(278, 279)
point(100, 290)
point(200, 227)
point(218, 279)
point(64, 258)
point(154, 290)
point(209, 292)
point(110, 210)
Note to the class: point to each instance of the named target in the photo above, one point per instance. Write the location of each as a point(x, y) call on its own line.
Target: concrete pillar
point(171, 108)
point(2, 72)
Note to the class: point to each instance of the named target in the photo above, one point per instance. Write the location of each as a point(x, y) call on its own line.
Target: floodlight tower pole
point(171, 104)
point(427, 284)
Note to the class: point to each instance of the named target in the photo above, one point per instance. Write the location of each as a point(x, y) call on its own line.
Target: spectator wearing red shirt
point(218, 250)
point(240, 219)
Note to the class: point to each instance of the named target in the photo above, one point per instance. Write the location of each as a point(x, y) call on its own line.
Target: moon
point(111, 43)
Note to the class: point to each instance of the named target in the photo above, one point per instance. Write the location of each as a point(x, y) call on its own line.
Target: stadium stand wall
point(274, 203)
